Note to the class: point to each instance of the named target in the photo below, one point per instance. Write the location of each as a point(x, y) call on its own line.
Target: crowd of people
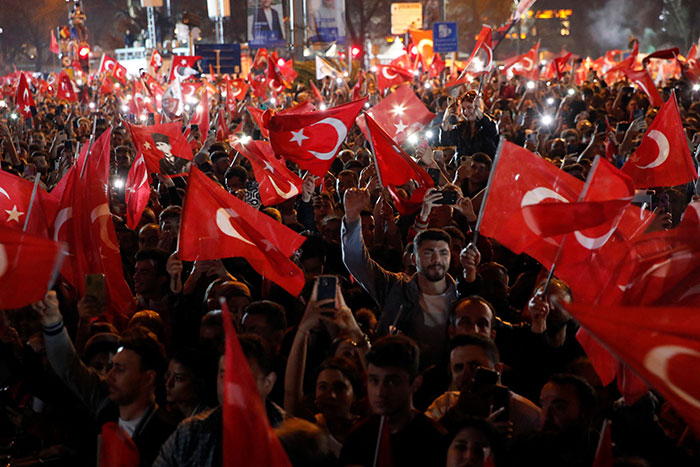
point(463, 354)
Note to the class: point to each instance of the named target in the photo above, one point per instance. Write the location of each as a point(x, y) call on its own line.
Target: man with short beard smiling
point(416, 305)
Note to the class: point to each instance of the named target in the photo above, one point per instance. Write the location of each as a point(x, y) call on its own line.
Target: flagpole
point(371, 145)
point(31, 201)
point(382, 421)
point(482, 208)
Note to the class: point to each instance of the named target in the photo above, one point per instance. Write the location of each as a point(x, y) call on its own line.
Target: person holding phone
point(476, 390)
point(466, 126)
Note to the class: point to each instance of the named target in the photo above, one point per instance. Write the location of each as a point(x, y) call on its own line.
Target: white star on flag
point(267, 245)
point(269, 167)
point(26, 108)
point(183, 62)
point(400, 127)
point(13, 215)
point(147, 145)
point(298, 136)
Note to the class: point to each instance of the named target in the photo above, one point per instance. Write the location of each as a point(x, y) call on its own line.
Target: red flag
point(259, 86)
point(383, 456)
point(110, 65)
point(642, 78)
point(525, 64)
point(357, 88)
point(276, 182)
point(663, 157)
point(245, 423)
point(172, 102)
point(661, 344)
point(215, 224)
point(183, 66)
point(317, 93)
point(164, 147)
point(138, 190)
point(604, 452)
point(235, 89)
point(481, 59)
point(117, 448)
point(628, 63)
point(388, 76)
point(690, 68)
point(260, 60)
point(64, 88)
point(221, 126)
point(436, 66)
point(423, 40)
point(23, 98)
point(201, 116)
point(305, 138)
point(666, 54)
point(53, 47)
point(403, 62)
point(521, 179)
point(257, 115)
point(16, 193)
point(396, 168)
point(303, 107)
point(27, 266)
point(275, 77)
point(84, 221)
point(156, 60)
point(400, 114)
point(153, 86)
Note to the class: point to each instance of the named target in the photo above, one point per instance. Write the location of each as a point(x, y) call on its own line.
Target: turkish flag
point(423, 40)
point(258, 85)
point(525, 64)
point(403, 62)
point(628, 63)
point(388, 76)
point(183, 66)
point(303, 107)
point(172, 102)
point(138, 191)
point(610, 192)
point(357, 88)
point(156, 60)
point(15, 194)
point(275, 77)
point(235, 89)
point(28, 264)
point(663, 157)
point(248, 438)
point(604, 453)
point(153, 86)
point(117, 448)
point(661, 344)
point(481, 59)
point(260, 60)
point(108, 65)
point(201, 116)
point(23, 98)
point(395, 167)
point(400, 114)
point(164, 147)
point(53, 46)
point(690, 67)
point(221, 126)
point(276, 182)
point(642, 78)
point(140, 101)
point(436, 66)
point(521, 179)
point(215, 224)
point(84, 222)
point(312, 140)
point(257, 115)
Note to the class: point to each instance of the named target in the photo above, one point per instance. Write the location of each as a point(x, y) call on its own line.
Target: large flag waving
point(389, 75)
point(400, 114)
point(138, 190)
point(164, 147)
point(423, 40)
point(661, 344)
point(643, 79)
point(481, 59)
point(312, 140)
point(276, 182)
point(526, 64)
point(23, 98)
point(27, 266)
point(663, 157)
point(16, 194)
point(248, 438)
point(215, 224)
point(108, 65)
point(183, 66)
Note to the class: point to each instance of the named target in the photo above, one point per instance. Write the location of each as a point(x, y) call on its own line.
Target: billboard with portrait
point(266, 25)
point(325, 21)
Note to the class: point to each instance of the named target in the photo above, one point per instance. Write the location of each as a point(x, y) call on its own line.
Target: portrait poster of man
point(164, 147)
point(266, 26)
point(326, 21)
point(170, 164)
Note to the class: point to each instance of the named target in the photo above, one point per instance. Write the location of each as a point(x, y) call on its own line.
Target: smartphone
point(95, 286)
point(664, 203)
point(448, 197)
point(637, 113)
point(435, 175)
point(326, 289)
point(484, 378)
